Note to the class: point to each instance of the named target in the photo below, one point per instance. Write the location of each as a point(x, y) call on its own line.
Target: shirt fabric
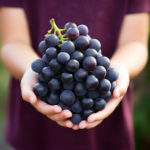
point(26, 128)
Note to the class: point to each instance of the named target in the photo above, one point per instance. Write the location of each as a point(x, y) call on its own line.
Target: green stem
point(62, 37)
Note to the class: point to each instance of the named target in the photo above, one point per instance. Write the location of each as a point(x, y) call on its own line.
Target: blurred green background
point(141, 88)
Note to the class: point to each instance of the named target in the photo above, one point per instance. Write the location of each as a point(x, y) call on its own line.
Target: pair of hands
point(55, 112)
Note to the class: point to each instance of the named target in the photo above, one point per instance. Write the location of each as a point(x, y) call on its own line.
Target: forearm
point(133, 56)
point(17, 57)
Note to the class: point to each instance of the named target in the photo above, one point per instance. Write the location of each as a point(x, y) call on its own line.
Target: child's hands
point(55, 113)
point(120, 90)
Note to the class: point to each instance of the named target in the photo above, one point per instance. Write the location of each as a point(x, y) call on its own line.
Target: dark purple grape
point(91, 82)
point(103, 61)
point(87, 112)
point(113, 86)
point(94, 43)
point(53, 98)
point(42, 46)
point(77, 55)
point(73, 33)
point(91, 52)
point(41, 79)
point(63, 57)
point(99, 104)
point(69, 86)
point(99, 72)
point(80, 89)
point(51, 40)
point(67, 78)
point(81, 43)
point(83, 29)
point(76, 107)
point(40, 89)
point(67, 97)
point(112, 75)
point(80, 74)
point(106, 96)
point(68, 47)
point(63, 106)
point(87, 103)
point(51, 52)
point(47, 73)
point(70, 25)
point(89, 63)
point(76, 118)
point(44, 99)
point(104, 85)
point(54, 84)
point(93, 94)
point(54, 65)
point(45, 59)
point(37, 65)
point(72, 65)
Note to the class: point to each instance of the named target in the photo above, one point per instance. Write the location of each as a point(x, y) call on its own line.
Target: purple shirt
point(26, 128)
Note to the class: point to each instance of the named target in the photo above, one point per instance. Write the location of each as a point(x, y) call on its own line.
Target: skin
point(130, 53)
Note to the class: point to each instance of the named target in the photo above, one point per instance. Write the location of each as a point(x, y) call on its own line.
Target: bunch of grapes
point(72, 72)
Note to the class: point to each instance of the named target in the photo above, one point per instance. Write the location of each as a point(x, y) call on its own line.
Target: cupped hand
point(54, 112)
point(118, 94)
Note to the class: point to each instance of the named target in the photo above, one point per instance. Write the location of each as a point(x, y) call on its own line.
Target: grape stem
point(58, 32)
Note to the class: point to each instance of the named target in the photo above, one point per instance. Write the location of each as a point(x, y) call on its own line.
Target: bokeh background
point(141, 113)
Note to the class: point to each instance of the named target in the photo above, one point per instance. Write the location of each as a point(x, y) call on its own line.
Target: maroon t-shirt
point(26, 128)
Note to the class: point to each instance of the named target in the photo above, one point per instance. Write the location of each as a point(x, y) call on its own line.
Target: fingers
point(110, 107)
point(66, 123)
point(65, 114)
point(46, 109)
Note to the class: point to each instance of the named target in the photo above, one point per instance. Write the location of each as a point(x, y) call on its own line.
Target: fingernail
point(117, 94)
point(31, 99)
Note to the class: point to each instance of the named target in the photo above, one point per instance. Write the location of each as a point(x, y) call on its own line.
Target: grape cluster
point(72, 72)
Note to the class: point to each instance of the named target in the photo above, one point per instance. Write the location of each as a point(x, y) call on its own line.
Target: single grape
point(83, 29)
point(69, 86)
point(89, 63)
point(93, 94)
point(80, 74)
point(113, 86)
point(99, 104)
point(76, 118)
point(77, 55)
point(63, 106)
point(81, 43)
point(40, 78)
point(70, 25)
point(72, 65)
point(54, 65)
point(76, 107)
point(91, 52)
point(99, 72)
point(104, 85)
point(67, 97)
point(91, 82)
point(42, 46)
point(73, 33)
point(51, 40)
point(45, 59)
point(87, 103)
point(51, 52)
point(53, 98)
point(63, 57)
point(106, 96)
point(37, 65)
point(40, 89)
point(66, 78)
point(47, 73)
point(103, 61)
point(87, 112)
point(112, 75)
point(54, 84)
point(80, 89)
point(68, 47)
point(94, 43)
